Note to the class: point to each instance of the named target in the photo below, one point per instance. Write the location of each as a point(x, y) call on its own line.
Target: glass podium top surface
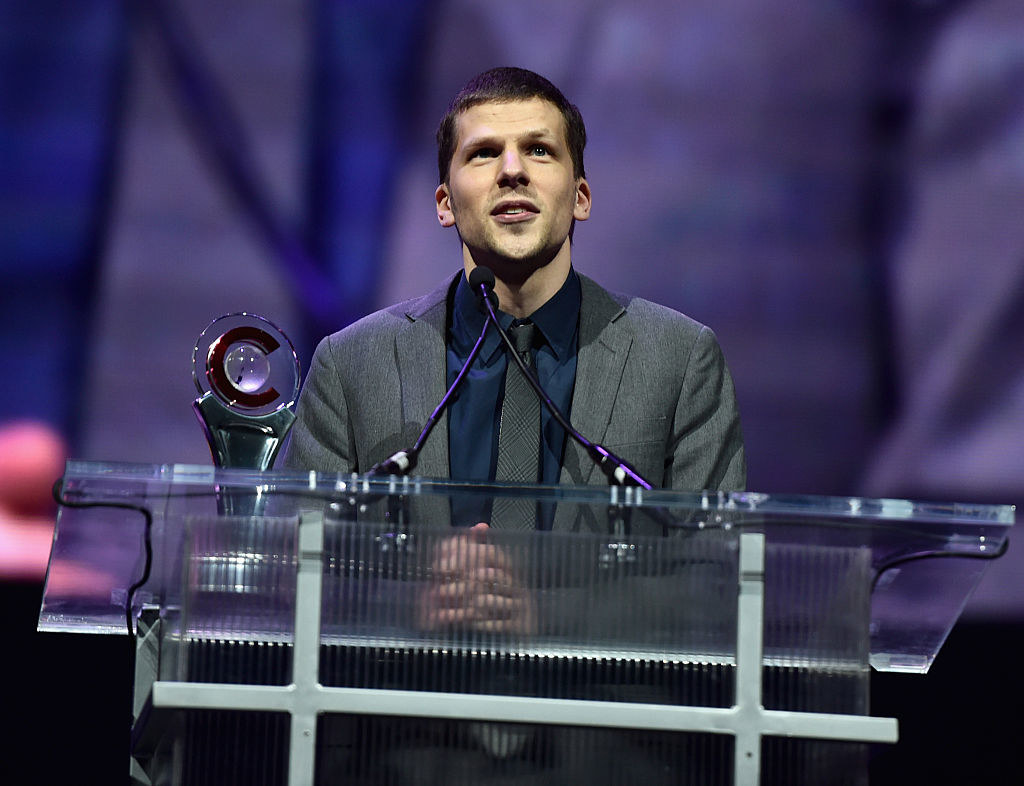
point(922, 559)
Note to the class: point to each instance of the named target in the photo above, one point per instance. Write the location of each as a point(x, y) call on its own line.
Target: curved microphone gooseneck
point(618, 471)
point(404, 461)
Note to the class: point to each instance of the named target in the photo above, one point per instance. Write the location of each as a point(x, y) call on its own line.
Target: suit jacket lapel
point(604, 345)
point(420, 350)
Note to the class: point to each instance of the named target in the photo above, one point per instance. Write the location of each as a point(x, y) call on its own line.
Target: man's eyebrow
point(492, 139)
point(477, 141)
point(538, 133)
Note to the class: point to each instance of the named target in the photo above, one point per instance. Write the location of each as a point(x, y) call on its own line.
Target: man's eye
point(538, 150)
point(484, 152)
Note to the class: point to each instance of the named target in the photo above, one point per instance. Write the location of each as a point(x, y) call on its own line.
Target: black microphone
point(404, 461)
point(481, 281)
point(618, 471)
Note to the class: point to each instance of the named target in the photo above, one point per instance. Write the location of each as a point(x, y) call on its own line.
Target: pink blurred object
point(32, 457)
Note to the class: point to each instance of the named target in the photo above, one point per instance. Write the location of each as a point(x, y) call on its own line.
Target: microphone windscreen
point(481, 275)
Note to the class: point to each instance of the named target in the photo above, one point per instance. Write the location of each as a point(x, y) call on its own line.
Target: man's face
point(511, 191)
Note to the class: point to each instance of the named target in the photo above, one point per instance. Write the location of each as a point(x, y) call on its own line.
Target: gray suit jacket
point(651, 385)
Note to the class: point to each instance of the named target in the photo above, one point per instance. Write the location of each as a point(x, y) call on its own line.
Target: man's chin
point(516, 269)
point(515, 258)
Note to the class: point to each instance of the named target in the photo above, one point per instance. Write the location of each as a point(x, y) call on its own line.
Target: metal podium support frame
point(305, 698)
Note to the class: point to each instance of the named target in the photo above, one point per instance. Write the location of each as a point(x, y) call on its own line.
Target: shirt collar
point(557, 320)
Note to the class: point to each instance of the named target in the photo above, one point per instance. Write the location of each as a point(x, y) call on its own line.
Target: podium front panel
point(624, 599)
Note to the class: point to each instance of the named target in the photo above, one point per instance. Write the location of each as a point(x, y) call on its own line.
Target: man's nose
point(513, 171)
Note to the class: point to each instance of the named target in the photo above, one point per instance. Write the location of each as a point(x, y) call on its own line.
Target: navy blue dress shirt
point(475, 415)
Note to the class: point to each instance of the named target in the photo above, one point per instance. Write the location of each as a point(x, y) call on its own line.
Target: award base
point(243, 441)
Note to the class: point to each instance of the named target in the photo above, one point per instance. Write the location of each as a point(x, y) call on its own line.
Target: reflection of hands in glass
point(475, 586)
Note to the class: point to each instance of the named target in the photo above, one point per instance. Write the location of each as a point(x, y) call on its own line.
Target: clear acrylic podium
point(308, 628)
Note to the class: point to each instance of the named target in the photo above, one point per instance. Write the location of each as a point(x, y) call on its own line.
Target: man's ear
point(444, 206)
point(581, 210)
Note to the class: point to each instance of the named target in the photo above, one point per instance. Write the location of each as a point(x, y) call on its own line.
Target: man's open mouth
point(514, 209)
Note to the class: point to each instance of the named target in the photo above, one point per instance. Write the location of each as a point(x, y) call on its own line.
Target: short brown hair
point(503, 85)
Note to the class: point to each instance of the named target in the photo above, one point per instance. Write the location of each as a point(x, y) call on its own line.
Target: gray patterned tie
point(518, 436)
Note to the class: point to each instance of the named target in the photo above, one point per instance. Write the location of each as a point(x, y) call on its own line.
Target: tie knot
point(522, 335)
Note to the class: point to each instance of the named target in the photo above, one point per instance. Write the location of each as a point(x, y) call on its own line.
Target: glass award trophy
point(247, 375)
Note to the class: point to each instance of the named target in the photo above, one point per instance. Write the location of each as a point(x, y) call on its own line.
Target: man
point(648, 383)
